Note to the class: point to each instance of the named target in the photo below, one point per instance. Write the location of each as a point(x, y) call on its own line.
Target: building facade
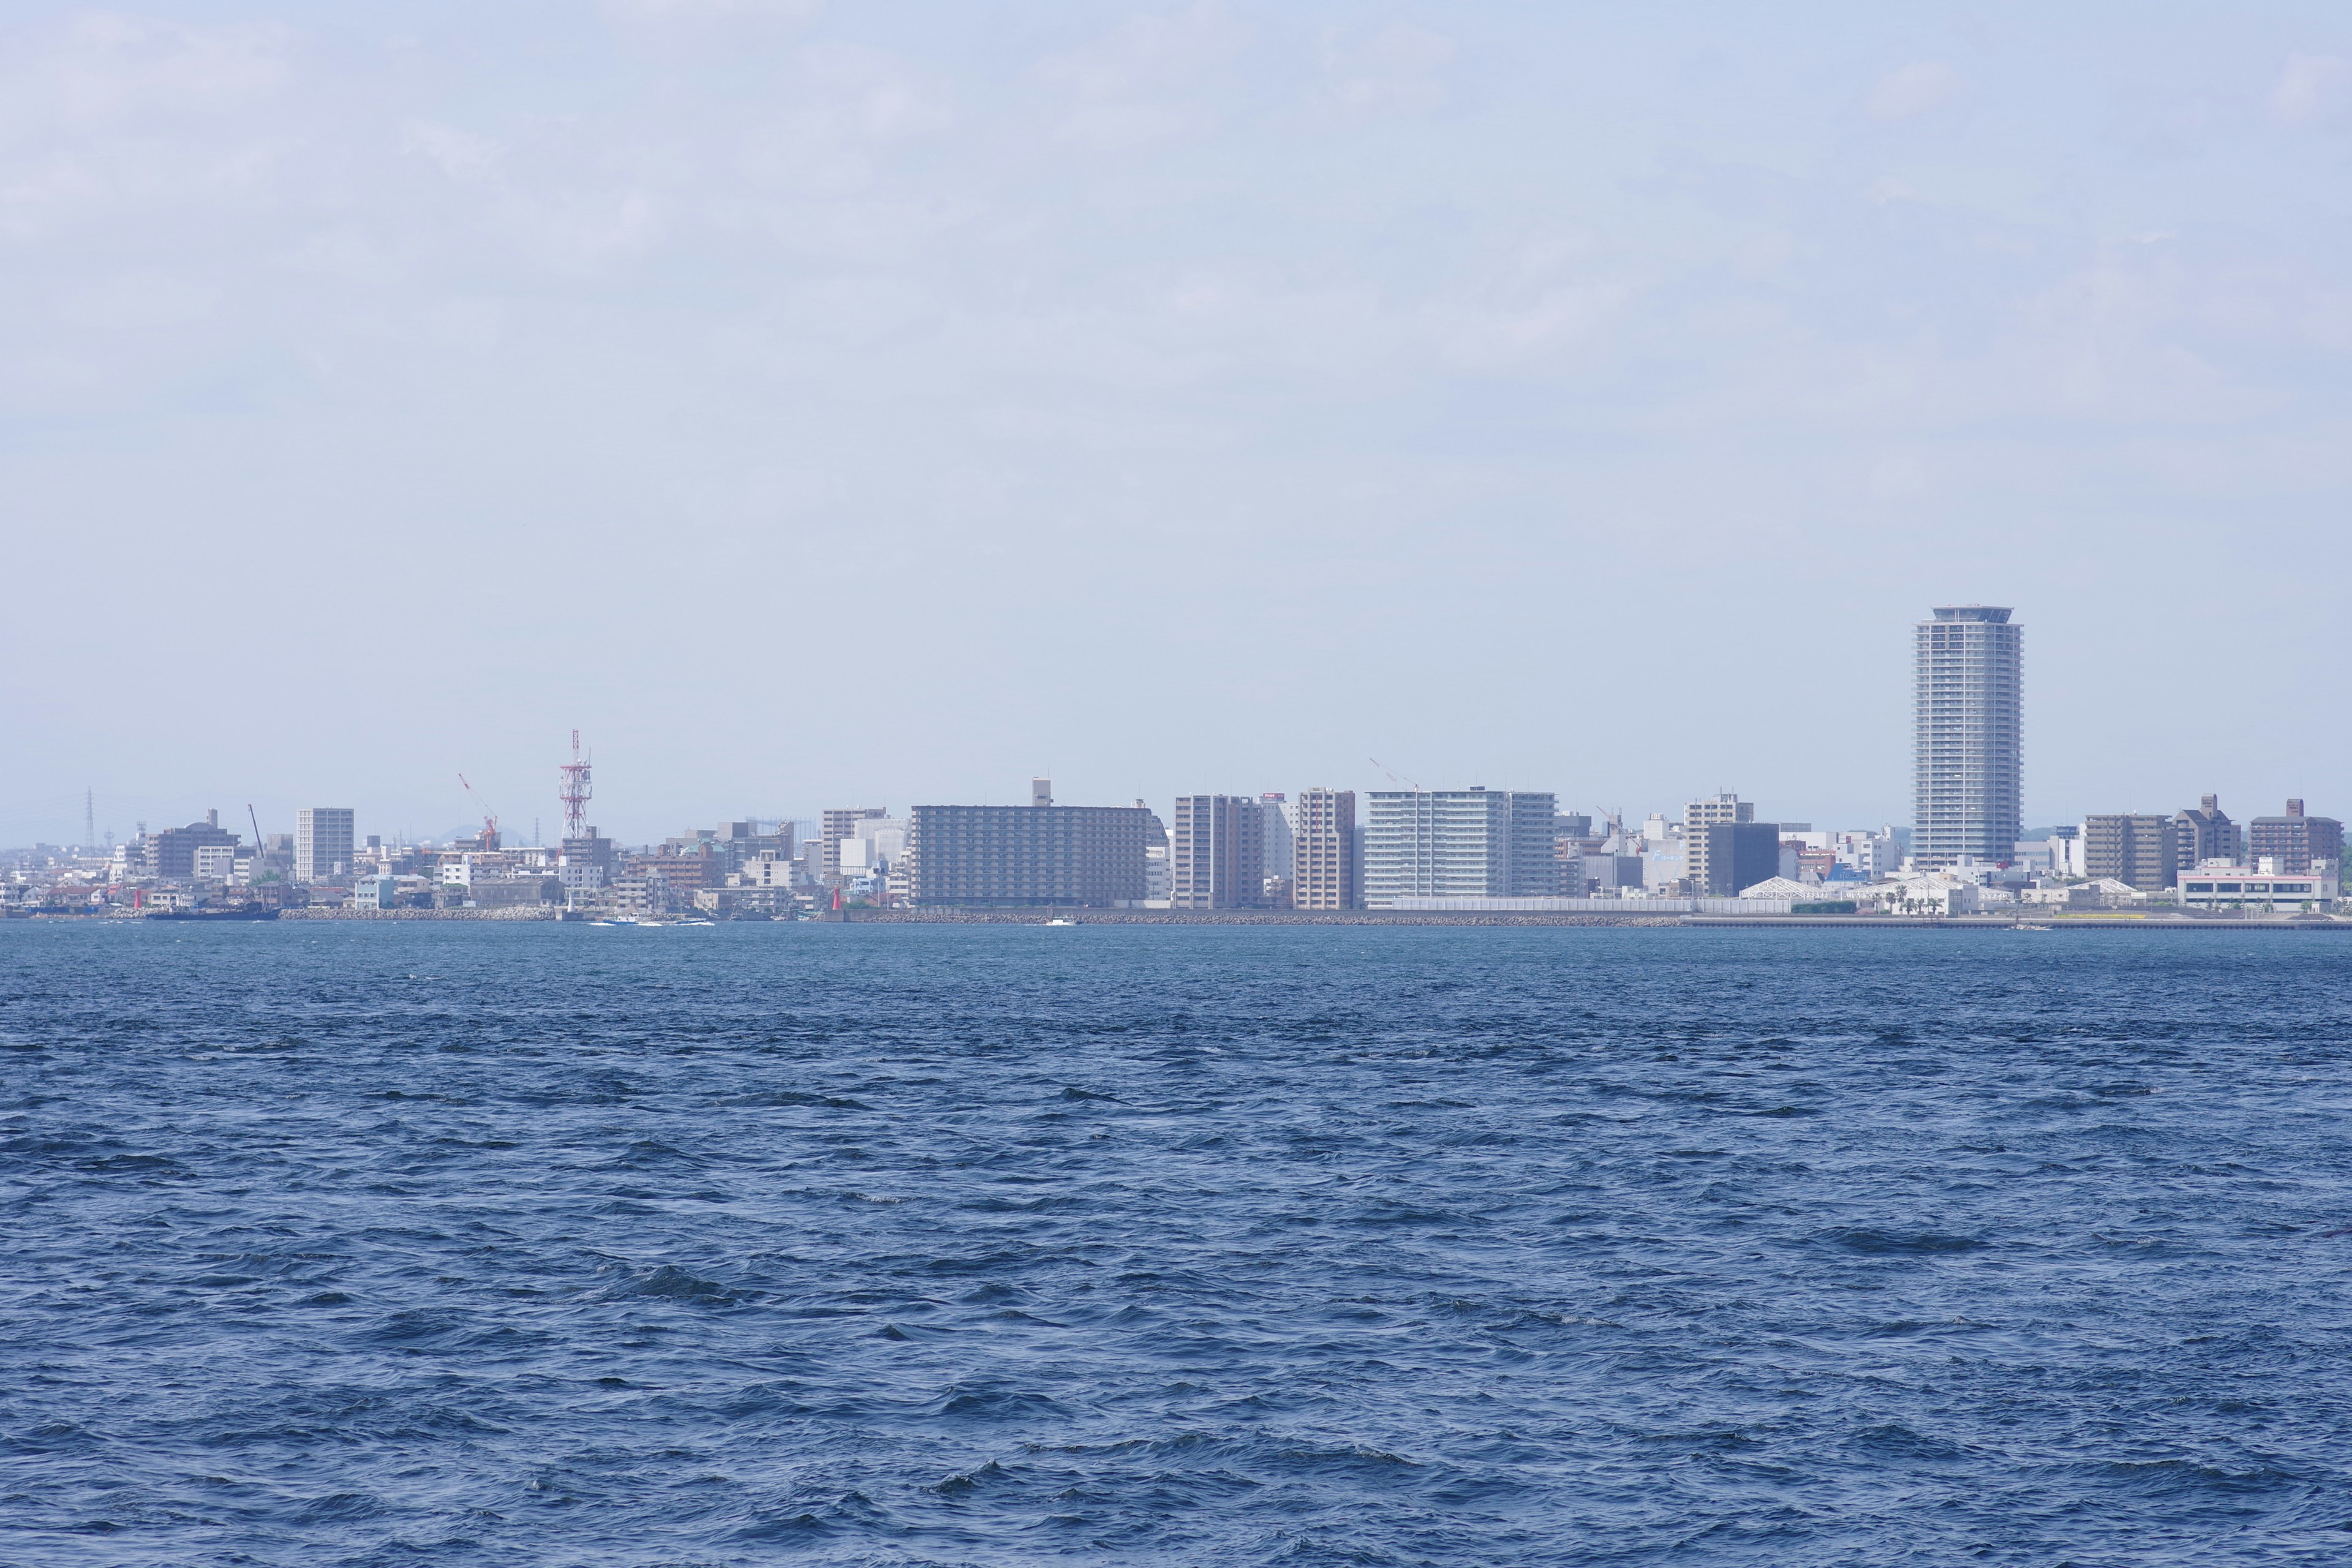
point(172, 854)
point(1217, 859)
point(2294, 841)
point(323, 842)
point(2270, 892)
point(1967, 747)
point(1734, 854)
point(840, 822)
point(2206, 833)
point(1469, 843)
point(2142, 851)
point(1699, 815)
point(993, 856)
point(1323, 850)
point(1278, 834)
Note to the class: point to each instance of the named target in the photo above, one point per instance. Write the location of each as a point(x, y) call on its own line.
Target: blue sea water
point(533, 1244)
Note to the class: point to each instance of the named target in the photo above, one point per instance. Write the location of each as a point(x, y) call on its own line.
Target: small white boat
point(1058, 920)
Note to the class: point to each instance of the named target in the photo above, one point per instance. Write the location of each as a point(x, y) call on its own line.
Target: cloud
point(2312, 90)
point(1142, 81)
point(1911, 90)
point(1395, 71)
point(460, 154)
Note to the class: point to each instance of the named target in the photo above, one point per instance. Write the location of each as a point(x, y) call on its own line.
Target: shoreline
point(1039, 915)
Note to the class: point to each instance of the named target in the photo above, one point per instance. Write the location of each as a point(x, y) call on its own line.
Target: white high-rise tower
point(1967, 746)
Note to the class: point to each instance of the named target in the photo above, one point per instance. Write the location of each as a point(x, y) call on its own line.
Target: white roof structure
point(1781, 887)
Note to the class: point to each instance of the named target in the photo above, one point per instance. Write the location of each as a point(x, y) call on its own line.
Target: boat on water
point(234, 912)
point(1058, 920)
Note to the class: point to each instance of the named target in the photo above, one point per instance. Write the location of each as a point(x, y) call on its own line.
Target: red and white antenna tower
point(576, 792)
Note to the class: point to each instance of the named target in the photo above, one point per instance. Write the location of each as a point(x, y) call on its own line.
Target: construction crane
point(490, 835)
point(1394, 778)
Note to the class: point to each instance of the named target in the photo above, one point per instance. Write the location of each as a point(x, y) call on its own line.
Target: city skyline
point(836, 402)
point(1951, 662)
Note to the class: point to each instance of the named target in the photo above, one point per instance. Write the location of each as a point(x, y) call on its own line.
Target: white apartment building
point(323, 842)
point(1469, 843)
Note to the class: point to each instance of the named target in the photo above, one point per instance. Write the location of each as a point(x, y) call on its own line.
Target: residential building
point(1698, 814)
point(1323, 850)
point(1968, 721)
point(2134, 850)
point(171, 853)
point(1277, 834)
point(2206, 833)
point(1218, 859)
point(588, 862)
point(2066, 852)
point(684, 871)
point(1013, 855)
point(641, 891)
point(1470, 842)
point(2296, 842)
point(322, 843)
point(840, 822)
point(212, 862)
point(773, 870)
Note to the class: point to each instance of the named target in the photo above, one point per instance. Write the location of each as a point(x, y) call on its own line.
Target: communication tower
point(576, 792)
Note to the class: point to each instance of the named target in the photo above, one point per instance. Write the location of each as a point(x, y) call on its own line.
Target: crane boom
point(490, 835)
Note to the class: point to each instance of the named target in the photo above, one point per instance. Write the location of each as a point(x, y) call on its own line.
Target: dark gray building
point(2296, 840)
point(173, 852)
point(1967, 749)
point(1739, 855)
point(1018, 855)
point(2206, 833)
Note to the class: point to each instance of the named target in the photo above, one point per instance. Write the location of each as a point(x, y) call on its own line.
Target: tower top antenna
point(577, 792)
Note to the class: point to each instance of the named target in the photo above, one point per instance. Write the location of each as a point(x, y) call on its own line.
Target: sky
point(817, 404)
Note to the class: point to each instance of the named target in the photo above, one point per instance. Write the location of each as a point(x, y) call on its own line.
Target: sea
point(454, 1243)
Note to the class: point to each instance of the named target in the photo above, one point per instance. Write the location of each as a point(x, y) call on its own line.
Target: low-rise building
point(2265, 888)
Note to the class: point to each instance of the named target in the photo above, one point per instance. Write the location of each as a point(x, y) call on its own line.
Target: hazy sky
point(829, 404)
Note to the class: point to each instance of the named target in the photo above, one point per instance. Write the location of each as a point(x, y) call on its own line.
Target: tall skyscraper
point(1967, 747)
point(323, 842)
